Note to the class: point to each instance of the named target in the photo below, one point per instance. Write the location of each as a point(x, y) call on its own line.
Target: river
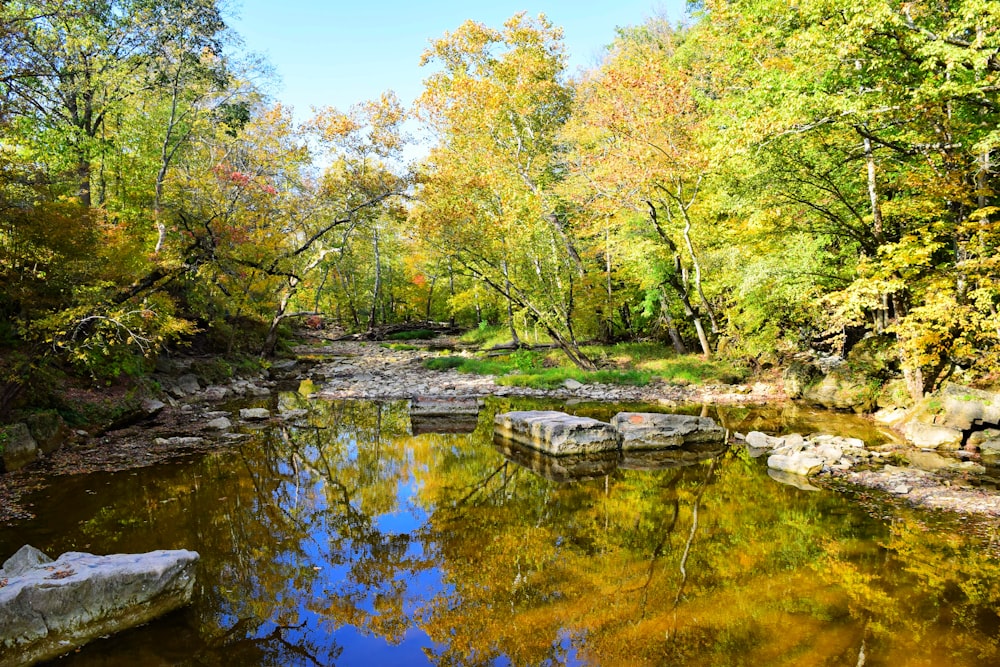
point(354, 537)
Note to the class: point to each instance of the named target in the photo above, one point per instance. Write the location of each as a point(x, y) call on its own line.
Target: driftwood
point(386, 330)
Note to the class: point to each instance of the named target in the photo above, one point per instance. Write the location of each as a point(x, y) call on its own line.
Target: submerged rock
point(557, 432)
point(652, 430)
point(48, 608)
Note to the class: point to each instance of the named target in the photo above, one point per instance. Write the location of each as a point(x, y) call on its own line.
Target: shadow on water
point(349, 537)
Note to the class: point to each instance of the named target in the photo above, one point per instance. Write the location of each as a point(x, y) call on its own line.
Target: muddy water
point(345, 539)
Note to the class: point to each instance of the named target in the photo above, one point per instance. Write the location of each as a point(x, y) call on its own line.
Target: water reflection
point(344, 538)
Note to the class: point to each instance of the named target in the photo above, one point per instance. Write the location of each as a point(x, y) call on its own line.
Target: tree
point(497, 105)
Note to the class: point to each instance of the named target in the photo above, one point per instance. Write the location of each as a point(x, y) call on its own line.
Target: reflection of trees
point(332, 520)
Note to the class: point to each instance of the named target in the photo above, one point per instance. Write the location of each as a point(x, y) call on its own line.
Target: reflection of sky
point(333, 573)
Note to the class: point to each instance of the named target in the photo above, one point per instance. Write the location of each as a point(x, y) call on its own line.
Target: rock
point(571, 384)
point(439, 406)
point(188, 384)
point(179, 441)
point(220, 424)
point(257, 392)
point(557, 432)
point(48, 429)
point(152, 407)
point(900, 489)
point(51, 608)
point(652, 430)
point(841, 391)
point(759, 440)
point(891, 416)
point(255, 414)
point(929, 461)
point(17, 446)
point(797, 464)
point(976, 439)
point(798, 376)
point(990, 448)
point(283, 365)
point(963, 407)
point(23, 560)
point(216, 393)
point(932, 437)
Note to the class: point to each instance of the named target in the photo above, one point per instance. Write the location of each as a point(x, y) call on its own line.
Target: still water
point(344, 538)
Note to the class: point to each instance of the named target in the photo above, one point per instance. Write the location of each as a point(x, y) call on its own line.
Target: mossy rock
point(894, 394)
point(798, 377)
point(842, 390)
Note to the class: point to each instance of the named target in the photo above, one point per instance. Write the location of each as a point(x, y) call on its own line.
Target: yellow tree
point(636, 153)
point(497, 103)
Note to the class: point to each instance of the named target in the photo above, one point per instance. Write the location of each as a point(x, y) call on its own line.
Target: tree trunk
point(510, 306)
point(675, 336)
point(378, 281)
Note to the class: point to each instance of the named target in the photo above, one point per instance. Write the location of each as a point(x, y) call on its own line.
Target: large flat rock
point(652, 430)
point(50, 608)
point(557, 433)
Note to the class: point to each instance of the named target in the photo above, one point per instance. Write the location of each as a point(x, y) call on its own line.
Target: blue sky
point(338, 53)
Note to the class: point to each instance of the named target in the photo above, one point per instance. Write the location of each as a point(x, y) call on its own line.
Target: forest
point(766, 178)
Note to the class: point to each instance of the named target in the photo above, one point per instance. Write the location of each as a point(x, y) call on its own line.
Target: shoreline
point(349, 370)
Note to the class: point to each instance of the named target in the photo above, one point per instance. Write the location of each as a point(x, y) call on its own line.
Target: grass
point(514, 371)
point(415, 334)
point(402, 347)
point(635, 364)
point(661, 361)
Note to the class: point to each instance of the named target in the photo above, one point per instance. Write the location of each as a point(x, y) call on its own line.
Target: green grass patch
point(553, 378)
point(635, 364)
point(400, 347)
point(415, 334)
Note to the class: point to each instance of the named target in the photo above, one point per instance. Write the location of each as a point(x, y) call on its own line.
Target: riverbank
point(191, 422)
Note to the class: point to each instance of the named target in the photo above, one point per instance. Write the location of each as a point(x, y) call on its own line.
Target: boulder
point(188, 384)
point(48, 429)
point(841, 391)
point(964, 407)
point(976, 439)
point(23, 560)
point(571, 384)
point(759, 440)
point(652, 430)
point(928, 436)
point(990, 448)
point(216, 393)
point(797, 464)
point(798, 377)
point(255, 414)
point(17, 446)
point(557, 432)
point(219, 424)
point(50, 608)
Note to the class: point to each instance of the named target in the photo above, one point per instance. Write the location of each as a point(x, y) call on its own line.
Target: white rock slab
point(50, 608)
point(557, 432)
point(653, 430)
